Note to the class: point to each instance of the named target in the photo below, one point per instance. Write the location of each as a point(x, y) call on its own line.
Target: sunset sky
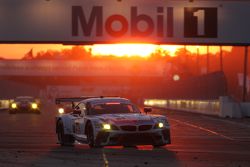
point(16, 51)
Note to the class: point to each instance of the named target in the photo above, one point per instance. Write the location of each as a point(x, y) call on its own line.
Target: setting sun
point(145, 50)
point(141, 50)
point(119, 50)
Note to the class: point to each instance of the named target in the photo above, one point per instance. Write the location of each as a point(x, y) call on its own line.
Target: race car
point(111, 121)
point(23, 104)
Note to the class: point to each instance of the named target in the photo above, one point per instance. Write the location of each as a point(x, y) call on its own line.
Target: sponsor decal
point(86, 25)
point(126, 119)
point(200, 22)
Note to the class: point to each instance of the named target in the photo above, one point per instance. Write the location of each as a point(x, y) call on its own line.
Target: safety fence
point(210, 107)
point(222, 107)
point(4, 104)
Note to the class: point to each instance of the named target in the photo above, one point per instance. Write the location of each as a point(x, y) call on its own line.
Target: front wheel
point(91, 139)
point(64, 139)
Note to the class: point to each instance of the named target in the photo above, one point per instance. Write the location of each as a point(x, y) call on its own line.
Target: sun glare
point(124, 50)
point(145, 50)
point(129, 50)
point(119, 50)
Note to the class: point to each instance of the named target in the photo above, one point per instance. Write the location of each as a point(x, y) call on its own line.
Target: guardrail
point(222, 107)
point(4, 104)
point(210, 107)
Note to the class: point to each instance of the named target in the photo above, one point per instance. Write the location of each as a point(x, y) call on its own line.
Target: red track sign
point(123, 21)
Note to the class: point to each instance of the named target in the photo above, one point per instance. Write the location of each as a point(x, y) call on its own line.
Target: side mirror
point(77, 110)
point(147, 109)
point(73, 105)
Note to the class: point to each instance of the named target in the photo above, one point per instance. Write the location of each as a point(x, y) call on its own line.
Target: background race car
point(24, 104)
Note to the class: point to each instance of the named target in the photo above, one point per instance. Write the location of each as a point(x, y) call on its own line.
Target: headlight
point(106, 126)
point(13, 106)
point(160, 125)
point(34, 106)
point(61, 110)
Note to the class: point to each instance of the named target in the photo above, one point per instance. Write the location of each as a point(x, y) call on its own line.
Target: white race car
point(111, 121)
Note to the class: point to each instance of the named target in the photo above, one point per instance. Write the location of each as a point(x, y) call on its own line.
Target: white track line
point(228, 121)
point(106, 162)
point(201, 128)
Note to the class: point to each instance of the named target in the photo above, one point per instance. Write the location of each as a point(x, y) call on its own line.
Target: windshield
point(24, 99)
point(112, 108)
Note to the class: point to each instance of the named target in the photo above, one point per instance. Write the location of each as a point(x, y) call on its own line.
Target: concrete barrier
point(223, 107)
point(230, 108)
point(4, 104)
point(245, 108)
point(210, 107)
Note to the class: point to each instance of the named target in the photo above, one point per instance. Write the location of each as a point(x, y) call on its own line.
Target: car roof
point(24, 98)
point(106, 100)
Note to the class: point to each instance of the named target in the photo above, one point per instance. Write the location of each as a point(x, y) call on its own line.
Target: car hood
point(127, 119)
point(23, 103)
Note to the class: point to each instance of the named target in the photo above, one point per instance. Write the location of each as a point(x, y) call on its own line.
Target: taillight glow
point(112, 103)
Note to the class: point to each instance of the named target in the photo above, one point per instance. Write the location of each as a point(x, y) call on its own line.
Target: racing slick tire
point(64, 140)
point(90, 137)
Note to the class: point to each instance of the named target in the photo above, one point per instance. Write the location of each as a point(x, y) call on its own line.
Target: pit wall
point(4, 104)
point(223, 107)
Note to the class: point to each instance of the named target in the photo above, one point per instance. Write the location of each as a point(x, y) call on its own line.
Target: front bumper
point(114, 138)
point(24, 110)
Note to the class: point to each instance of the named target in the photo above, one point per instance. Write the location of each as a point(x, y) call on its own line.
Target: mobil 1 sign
point(112, 21)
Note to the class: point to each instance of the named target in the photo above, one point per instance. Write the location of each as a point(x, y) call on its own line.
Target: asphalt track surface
point(197, 141)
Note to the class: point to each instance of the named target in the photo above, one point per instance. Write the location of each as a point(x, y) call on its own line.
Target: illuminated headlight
point(160, 125)
point(106, 126)
point(13, 105)
point(34, 106)
point(61, 110)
